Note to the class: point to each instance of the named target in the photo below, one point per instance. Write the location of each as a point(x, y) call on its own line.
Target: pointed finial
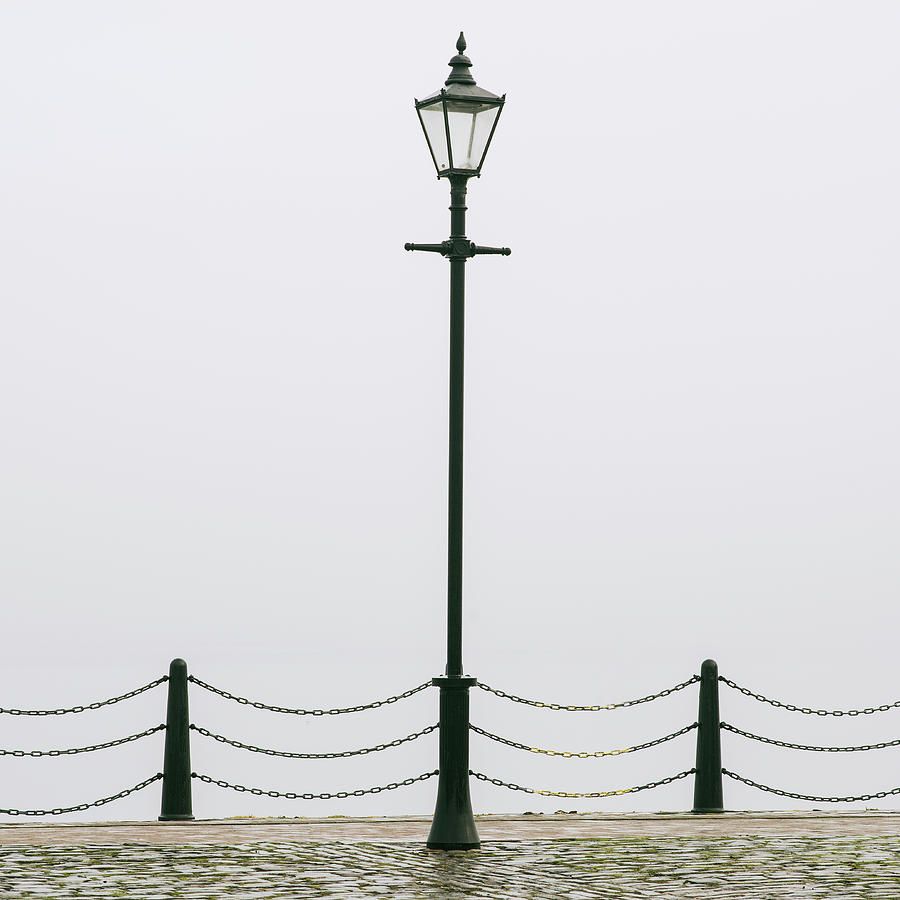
point(459, 73)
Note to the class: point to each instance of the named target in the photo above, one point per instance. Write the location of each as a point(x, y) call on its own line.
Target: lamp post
point(459, 121)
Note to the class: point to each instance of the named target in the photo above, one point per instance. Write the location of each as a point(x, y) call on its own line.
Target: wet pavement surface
point(777, 855)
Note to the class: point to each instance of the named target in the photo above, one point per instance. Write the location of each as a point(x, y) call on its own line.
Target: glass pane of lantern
point(470, 128)
point(433, 121)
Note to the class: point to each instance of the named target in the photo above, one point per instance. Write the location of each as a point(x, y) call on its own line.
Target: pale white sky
point(223, 386)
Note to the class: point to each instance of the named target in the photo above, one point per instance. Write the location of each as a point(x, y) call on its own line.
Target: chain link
point(290, 795)
point(806, 710)
point(80, 709)
point(622, 705)
point(308, 712)
point(764, 787)
point(59, 810)
point(593, 794)
point(89, 749)
point(758, 737)
point(338, 755)
point(585, 755)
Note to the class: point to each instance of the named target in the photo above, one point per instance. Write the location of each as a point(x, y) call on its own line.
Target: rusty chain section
point(80, 709)
point(880, 795)
point(597, 708)
point(307, 712)
point(806, 710)
point(592, 794)
point(290, 795)
point(766, 740)
point(88, 749)
point(341, 754)
point(584, 755)
point(59, 810)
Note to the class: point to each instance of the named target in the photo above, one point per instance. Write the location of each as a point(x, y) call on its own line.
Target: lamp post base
point(453, 826)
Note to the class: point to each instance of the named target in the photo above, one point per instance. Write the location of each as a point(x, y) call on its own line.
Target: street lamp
point(459, 121)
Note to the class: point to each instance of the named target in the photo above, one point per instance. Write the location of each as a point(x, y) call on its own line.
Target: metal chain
point(80, 709)
point(92, 747)
point(307, 712)
point(758, 737)
point(59, 810)
point(290, 795)
point(764, 787)
point(585, 755)
point(624, 703)
point(338, 755)
point(593, 794)
point(807, 710)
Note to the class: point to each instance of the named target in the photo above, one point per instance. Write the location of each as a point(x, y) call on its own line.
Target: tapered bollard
point(708, 777)
point(176, 790)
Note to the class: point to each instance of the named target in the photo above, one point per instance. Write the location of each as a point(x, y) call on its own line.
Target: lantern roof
point(460, 85)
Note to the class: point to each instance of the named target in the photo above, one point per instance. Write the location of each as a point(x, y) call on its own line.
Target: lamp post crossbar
point(449, 250)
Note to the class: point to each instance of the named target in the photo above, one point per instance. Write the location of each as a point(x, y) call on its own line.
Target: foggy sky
point(223, 387)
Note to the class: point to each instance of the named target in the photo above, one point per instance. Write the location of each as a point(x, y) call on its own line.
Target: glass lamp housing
point(459, 129)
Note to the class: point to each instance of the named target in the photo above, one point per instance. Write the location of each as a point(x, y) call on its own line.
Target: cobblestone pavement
point(620, 868)
point(681, 858)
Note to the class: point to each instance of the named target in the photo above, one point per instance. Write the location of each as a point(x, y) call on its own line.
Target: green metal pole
point(708, 777)
point(176, 790)
point(453, 826)
point(455, 485)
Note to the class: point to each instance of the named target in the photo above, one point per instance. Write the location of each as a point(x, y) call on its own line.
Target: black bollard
point(708, 777)
point(176, 790)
